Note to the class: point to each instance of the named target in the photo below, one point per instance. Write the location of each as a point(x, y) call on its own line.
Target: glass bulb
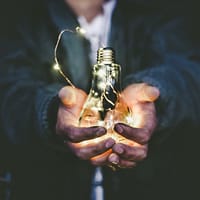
point(104, 94)
point(104, 90)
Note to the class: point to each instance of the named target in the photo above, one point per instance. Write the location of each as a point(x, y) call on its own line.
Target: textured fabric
point(154, 44)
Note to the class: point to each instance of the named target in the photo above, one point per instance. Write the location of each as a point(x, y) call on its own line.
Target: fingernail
point(100, 131)
point(114, 159)
point(119, 129)
point(153, 93)
point(109, 143)
point(119, 150)
point(67, 96)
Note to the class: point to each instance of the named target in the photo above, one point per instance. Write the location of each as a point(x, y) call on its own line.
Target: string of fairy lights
point(129, 118)
point(56, 65)
point(102, 85)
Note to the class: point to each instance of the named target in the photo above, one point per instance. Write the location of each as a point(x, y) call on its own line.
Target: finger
point(136, 153)
point(88, 150)
point(118, 162)
point(143, 115)
point(78, 134)
point(139, 135)
point(148, 93)
point(101, 159)
point(69, 96)
point(113, 158)
point(126, 164)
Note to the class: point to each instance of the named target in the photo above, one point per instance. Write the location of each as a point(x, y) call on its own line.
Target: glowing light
point(80, 30)
point(56, 67)
point(129, 120)
point(101, 73)
point(90, 114)
point(101, 85)
point(105, 154)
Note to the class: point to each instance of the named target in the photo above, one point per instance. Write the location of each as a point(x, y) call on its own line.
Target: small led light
point(101, 85)
point(80, 30)
point(56, 67)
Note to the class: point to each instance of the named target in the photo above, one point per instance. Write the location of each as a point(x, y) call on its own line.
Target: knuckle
point(144, 138)
point(81, 154)
point(96, 151)
point(71, 137)
point(141, 155)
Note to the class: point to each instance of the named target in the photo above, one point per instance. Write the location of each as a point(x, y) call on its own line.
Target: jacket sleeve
point(27, 87)
point(172, 65)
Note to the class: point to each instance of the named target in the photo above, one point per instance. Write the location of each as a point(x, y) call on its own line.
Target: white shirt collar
point(97, 31)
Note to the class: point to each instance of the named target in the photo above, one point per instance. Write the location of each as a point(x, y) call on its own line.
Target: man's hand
point(139, 98)
point(78, 139)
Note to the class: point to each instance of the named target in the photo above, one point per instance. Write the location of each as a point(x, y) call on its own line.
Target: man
point(39, 112)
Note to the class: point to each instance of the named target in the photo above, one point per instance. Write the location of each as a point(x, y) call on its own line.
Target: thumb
point(148, 93)
point(67, 96)
point(140, 92)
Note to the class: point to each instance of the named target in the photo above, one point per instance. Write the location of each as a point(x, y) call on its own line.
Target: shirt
point(97, 31)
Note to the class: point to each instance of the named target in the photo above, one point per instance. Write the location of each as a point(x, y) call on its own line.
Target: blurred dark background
point(12, 11)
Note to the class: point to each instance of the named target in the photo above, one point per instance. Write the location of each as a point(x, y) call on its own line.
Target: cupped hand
point(80, 140)
point(138, 126)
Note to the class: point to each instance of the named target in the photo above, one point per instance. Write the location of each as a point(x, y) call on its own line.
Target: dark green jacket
point(154, 43)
